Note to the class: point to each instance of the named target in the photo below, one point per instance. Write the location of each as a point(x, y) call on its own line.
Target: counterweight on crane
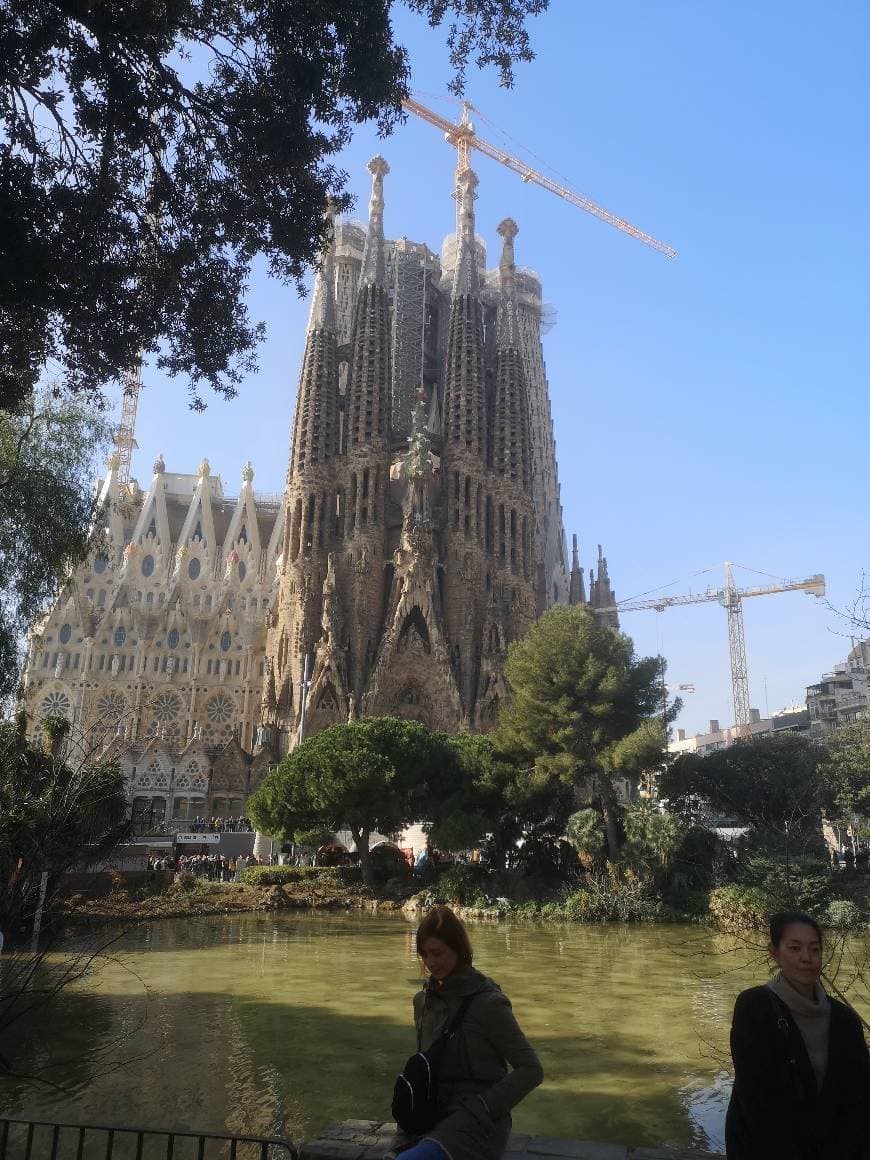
point(731, 598)
point(464, 138)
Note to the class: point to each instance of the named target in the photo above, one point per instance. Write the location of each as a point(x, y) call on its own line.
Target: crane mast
point(464, 138)
point(731, 598)
point(733, 605)
point(131, 385)
point(125, 437)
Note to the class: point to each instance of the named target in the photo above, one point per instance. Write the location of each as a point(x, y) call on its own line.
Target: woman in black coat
point(801, 1066)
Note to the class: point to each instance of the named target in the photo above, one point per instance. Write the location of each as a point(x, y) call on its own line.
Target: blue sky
point(706, 408)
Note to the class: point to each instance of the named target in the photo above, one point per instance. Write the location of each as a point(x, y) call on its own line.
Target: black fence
point(41, 1140)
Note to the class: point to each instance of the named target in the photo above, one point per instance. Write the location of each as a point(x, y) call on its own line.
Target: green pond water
point(287, 1023)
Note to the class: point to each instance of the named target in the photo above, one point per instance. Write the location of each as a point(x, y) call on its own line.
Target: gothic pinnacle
point(507, 230)
point(603, 576)
point(508, 335)
point(373, 266)
point(465, 276)
point(322, 315)
point(577, 589)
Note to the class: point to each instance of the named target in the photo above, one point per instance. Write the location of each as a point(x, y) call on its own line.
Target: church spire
point(464, 414)
point(577, 590)
point(602, 566)
point(601, 595)
point(373, 268)
point(508, 335)
point(511, 429)
point(322, 313)
point(316, 422)
point(368, 391)
point(466, 279)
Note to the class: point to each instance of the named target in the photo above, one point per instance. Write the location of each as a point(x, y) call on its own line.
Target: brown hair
point(442, 923)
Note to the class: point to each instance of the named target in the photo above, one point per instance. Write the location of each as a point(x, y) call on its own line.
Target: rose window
point(166, 707)
point(55, 705)
point(220, 710)
point(111, 707)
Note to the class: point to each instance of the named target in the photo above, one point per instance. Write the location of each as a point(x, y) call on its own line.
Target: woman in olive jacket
point(801, 1066)
point(487, 1067)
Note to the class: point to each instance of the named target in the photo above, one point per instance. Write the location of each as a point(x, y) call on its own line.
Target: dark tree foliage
point(149, 151)
point(56, 814)
point(372, 774)
point(59, 811)
point(513, 811)
point(583, 709)
point(772, 784)
point(46, 510)
point(845, 770)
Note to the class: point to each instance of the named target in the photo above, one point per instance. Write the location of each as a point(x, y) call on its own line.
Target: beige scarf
point(813, 1019)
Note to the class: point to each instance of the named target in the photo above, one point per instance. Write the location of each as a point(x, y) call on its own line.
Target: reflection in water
point(280, 1025)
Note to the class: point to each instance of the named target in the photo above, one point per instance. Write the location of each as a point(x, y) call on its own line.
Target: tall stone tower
point(418, 483)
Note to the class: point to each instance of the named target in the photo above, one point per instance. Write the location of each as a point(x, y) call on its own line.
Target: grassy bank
point(189, 897)
point(617, 896)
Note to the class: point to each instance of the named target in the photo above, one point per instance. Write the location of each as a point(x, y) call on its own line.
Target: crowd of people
point(214, 867)
point(220, 826)
point(852, 857)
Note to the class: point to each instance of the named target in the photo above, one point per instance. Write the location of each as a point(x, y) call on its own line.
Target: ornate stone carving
point(363, 564)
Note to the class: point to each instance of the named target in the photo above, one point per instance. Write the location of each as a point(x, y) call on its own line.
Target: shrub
point(550, 910)
point(580, 906)
point(788, 883)
point(616, 896)
point(281, 875)
point(686, 903)
point(843, 914)
point(702, 861)
point(463, 882)
point(737, 907)
point(183, 883)
point(388, 862)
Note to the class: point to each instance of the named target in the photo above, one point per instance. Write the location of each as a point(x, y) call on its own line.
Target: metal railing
point(44, 1140)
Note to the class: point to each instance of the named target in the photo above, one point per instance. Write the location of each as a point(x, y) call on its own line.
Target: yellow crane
point(464, 138)
point(731, 598)
point(125, 438)
point(131, 381)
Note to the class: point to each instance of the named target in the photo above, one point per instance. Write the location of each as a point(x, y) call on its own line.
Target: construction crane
point(464, 138)
point(125, 439)
point(131, 382)
point(731, 598)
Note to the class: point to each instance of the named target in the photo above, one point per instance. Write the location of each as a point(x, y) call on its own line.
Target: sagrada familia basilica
point(420, 532)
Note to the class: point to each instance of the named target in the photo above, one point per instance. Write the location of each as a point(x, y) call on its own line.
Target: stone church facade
point(420, 532)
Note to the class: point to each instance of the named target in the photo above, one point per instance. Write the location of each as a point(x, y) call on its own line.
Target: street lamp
point(303, 692)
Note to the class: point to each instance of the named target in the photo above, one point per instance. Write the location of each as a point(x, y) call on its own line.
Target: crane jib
point(463, 137)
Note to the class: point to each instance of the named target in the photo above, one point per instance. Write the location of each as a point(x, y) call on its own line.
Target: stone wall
point(372, 1139)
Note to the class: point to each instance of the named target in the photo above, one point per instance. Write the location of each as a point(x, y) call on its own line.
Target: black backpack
point(415, 1093)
